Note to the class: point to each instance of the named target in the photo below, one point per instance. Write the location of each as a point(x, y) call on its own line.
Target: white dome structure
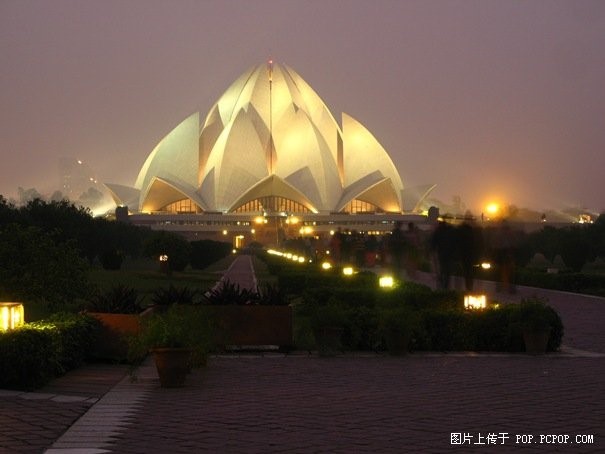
point(268, 145)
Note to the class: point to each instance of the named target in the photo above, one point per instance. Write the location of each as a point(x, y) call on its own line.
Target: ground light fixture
point(475, 302)
point(12, 315)
point(347, 271)
point(326, 266)
point(386, 281)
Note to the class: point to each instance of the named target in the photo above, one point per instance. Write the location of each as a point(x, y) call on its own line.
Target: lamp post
point(164, 264)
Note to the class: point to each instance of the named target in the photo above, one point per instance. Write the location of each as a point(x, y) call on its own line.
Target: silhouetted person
point(443, 243)
point(396, 247)
point(412, 249)
point(470, 246)
point(371, 248)
point(336, 246)
point(505, 257)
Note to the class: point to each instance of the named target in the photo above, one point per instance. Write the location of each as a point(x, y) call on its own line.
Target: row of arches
point(269, 204)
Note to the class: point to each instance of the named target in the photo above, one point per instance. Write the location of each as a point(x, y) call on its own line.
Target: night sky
point(488, 99)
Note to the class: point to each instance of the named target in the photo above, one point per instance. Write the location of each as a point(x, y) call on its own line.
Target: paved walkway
point(354, 403)
point(241, 272)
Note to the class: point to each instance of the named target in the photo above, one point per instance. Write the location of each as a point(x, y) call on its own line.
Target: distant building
point(269, 156)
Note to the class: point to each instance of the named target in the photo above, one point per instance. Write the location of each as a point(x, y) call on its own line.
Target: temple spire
point(271, 151)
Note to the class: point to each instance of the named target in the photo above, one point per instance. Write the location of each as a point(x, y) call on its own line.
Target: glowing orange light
point(493, 208)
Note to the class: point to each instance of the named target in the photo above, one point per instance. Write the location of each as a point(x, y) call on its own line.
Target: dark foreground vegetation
point(433, 320)
point(61, 262)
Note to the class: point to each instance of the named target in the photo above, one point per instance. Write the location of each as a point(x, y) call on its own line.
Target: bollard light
point(11, 315)
point(473, 302)
point(385, 281)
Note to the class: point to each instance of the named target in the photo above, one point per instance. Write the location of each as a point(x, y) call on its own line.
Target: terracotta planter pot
point(536, 340)
point(112, 341)
point(253, 325)
point(173, 365)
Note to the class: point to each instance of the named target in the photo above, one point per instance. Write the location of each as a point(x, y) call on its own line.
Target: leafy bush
point(271, 295)
point(111, 259)
point(361, 329)
point(32, 355)
point(330, 315)
point(534, 313)
point(178, 327)
point(28, 358)
point(120, 299)
point(492, 330)
point(73, 336)
point(569, 282)
point(447, 330)
point(227, 292)
point(166, 243)
point(432, 328)
point(34, 265)
point(174, 295)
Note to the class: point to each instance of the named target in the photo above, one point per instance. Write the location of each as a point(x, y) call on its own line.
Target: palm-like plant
point(120, 299)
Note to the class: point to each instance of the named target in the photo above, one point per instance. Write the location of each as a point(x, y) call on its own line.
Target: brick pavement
point(31, 422)
point(371, 404)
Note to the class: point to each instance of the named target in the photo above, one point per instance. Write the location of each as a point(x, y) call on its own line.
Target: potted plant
point(119, 312)
point(178, 338)
point(328, 323)
point(396, 326)
point(535, 325)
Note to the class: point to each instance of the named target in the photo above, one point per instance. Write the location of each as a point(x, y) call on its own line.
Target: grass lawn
point(145, 279)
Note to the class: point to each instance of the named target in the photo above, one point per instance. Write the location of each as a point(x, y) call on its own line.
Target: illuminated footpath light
point(12, 315)
point(386, 281)
point(473, 302)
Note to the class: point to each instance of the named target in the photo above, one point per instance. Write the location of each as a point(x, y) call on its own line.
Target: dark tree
point(174, 246)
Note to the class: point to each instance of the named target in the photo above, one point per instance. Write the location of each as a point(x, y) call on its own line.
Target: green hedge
point(435, 328)
point(33, 355)
point(440, 321)
point(593, 284)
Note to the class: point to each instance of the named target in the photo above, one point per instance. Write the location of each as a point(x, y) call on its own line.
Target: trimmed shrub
point(447, 330)
point(570, 282)
point(28, 358)
point(492, 330)
point(33, 355)
point(73, 336)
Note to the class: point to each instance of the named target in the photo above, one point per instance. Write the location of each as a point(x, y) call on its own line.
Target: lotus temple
point(269, 162)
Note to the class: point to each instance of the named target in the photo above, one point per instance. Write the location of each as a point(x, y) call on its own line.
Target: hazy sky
point(485, 98)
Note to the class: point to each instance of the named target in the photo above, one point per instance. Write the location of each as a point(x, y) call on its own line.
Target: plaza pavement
point(300, 403)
